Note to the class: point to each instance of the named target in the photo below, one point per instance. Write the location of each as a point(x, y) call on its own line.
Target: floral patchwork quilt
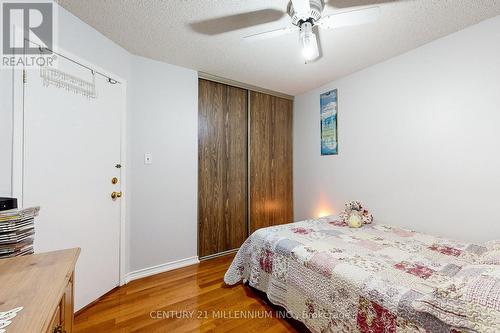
point(337, 279)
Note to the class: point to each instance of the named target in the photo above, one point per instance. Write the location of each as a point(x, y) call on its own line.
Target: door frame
point(18, 149)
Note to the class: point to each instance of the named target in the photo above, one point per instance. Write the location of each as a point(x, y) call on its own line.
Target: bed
point(373, 279)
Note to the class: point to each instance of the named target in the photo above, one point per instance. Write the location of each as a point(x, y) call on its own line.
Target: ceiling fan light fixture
point(306, 14)
point(308, 42)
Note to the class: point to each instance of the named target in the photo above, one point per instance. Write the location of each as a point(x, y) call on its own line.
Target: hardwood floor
point(190, 299)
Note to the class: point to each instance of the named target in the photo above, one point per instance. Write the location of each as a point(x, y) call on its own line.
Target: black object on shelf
point(8, 203)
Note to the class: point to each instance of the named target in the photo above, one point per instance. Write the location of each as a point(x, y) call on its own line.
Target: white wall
point(164, 118)
point(77, 37)
point(5, 132)
point(419, 139)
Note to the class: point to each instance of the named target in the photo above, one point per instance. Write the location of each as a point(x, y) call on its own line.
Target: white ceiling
point(161, 30)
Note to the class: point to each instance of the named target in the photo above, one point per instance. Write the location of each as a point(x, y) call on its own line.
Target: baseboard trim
point(145, 272)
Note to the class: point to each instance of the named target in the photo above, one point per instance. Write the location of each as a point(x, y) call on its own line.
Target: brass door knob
point(115, 195)
point(114, 180)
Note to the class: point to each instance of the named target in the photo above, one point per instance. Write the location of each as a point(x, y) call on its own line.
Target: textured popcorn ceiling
point(161, 30)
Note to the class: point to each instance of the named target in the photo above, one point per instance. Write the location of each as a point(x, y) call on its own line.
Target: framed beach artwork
point(328, 112)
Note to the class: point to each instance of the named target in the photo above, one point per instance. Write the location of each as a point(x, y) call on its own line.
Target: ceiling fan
point(306, 14)
point(306, 18)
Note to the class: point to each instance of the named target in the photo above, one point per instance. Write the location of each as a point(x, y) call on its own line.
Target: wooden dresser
point(43, 285)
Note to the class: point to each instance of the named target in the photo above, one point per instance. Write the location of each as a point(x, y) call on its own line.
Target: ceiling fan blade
point(235, 22)
point(354, 17)
point(302, 8)
point(271, 34)
point(355, 3)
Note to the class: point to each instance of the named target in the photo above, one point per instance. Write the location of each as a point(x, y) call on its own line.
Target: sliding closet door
point(271, 191)
point(223, 163)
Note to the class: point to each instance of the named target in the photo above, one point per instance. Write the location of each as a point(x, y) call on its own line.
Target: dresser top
point(37, 283)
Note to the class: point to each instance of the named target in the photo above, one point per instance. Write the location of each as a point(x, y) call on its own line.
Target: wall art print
point(328, 112)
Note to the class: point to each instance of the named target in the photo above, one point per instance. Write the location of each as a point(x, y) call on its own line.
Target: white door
point(72, 149)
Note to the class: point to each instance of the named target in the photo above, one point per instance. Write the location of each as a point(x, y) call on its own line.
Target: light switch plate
point(148, 158)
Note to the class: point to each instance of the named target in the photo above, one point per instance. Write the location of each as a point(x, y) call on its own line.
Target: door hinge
point(24, 76)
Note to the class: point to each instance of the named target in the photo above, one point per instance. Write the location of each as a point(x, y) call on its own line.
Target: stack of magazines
point(17, 230)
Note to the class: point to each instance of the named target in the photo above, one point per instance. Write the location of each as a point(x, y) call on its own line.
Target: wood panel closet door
point(223, 163)
point(271, 189)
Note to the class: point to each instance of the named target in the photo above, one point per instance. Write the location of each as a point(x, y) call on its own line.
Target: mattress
point(338, 279)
